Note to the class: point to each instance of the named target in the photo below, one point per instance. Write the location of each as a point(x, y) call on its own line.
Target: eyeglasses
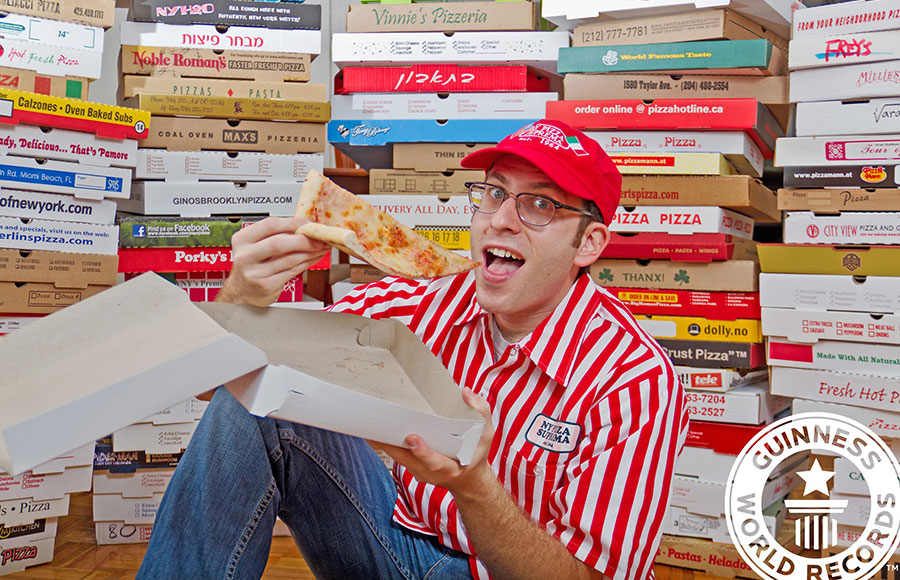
point(533, 209)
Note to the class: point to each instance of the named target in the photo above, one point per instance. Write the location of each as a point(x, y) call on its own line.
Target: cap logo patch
point(550, 136)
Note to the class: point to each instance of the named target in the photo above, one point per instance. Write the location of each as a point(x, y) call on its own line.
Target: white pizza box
point(836, 387)
point(537, 49)
point(567, 14)
point(867, 117)
point(858, 509)
point(58, 207)
point(16, 512)
point(189, 410)
point(737, 146)
point(47, 59)
point(140, 483)
point(848, 479)
point(680, 522)
point(810, 325)
point(704, 464)
point(111, 533)
point(23, 553)
point(208, 36)
point(842, 50)
point(54, 236)
point(681, 220)
point(377, 106)
point(84, 181)
point(707, 498)
point(747, 405)
point(425, 210)
point(406, 389)
point(846, 18)
point(191, 166)
point(52, 143)
point(90, 380)
point(841, 150)
point(823, 292)
point(341, 289)
point(154, 439)
point(13, 322)
point(884, 423)
point(805, 227)
point(41, 529)
point(854, 81)
point(716, 380)
point(881, 360)
point(45, 486)
point(207, 198)
point(53, 32)
point(114, 507)
point(83, 455)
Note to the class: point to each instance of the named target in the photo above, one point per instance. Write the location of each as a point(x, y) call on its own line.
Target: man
point(584, 413)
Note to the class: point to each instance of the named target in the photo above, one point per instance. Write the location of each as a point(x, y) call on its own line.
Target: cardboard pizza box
point(229, 12)
point(882, 422)
point(207, 198)
point(91, 182)
point(852, 48)
point(24, 553)
point(232, 107)
point(664, 163)
point(730, 276)
point(850, 118)
point(846, 18)
point(739, 193)
point(538, 49)
point(811, 325)
point(207, 36)
point(34, 298)
point(111, 533)
point(317, 382)
point(716, 380)
point(45, 486)
point(680, 521)
point(824, 259)
point(26, 80)
point(714, 354)
point(679, 248)
point(129, 462)
point(369, 133)
point(56, 268)
point(55, 236)
point(809, 292)
point(91, 12)
point(717, 24)
point(192, 166)
point(50, 143)
point(376, 106)
point(713, 305)
point(433, 156)
point(585, 87)
point(175, 259)
point(114, 507)
point(681, 220)
point(24, 511)
point(154, 439)
point(222, 134)
point(444, 17)
point(47, 59)
point(169, 232)
point(142, 483)
point(440, 183)
point(805, 227)
point(132, 85)
point(704, 556)
point(437, 78)
point(837, 200)
point(700, 328)
point(853, 81)
point(848, 480)
point(707, 498)
point(33, 204)
point(748, 405)
point(841, 150)
point(177, 62)
point(866, 175)
point(881, 360)
point(836, 387)
point(67, 35)
point(725, 57)
point(188, 410)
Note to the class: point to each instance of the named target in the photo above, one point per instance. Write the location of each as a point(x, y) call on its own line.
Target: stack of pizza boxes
point(423, 84)
point(31, 504)
point(236, 127)
point(831, 306)
point(688, 102)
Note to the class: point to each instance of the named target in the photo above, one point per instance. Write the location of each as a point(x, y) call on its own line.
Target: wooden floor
point(77, 556)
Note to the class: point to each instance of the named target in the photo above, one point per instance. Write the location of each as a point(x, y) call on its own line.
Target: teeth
point(501, 253)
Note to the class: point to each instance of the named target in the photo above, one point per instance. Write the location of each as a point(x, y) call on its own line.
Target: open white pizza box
point(140, 347)
point(370, 378)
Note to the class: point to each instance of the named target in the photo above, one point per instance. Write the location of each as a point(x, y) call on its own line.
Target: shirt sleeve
point(388, 298)
point(608, 512)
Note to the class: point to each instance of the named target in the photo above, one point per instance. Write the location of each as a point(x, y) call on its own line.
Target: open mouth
point(502, 262)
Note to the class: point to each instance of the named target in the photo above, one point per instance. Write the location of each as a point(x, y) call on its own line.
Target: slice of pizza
point(349, 223)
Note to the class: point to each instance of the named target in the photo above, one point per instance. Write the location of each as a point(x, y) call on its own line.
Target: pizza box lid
point(369, 378)
point(727, 438)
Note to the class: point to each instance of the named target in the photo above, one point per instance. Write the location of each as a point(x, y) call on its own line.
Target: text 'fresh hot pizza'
point(349, 223)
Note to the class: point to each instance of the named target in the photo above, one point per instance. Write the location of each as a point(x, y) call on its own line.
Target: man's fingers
point(291, 264)
point(268, 227)
point(276, 246)
point(478, 403)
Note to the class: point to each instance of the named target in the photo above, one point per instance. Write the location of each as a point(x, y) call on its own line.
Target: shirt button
point(539, 471)
point(443, 527)
point(514, 351)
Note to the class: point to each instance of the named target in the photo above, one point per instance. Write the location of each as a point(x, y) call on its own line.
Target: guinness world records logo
point(814, 433)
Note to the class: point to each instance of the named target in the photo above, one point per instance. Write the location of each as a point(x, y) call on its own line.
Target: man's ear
point(593, 242)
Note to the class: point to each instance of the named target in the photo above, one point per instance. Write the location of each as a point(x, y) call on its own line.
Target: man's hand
point(429, 466)
point(265, 256)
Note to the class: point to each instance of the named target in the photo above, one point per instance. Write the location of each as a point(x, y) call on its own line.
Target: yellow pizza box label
point(698, 328)
point(450, 237)
point(234, 108)
point(243, 89)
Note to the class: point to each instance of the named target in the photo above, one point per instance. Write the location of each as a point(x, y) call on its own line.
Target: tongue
point(504, 266)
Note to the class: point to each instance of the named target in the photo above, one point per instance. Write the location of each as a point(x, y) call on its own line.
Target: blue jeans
point(332, 490)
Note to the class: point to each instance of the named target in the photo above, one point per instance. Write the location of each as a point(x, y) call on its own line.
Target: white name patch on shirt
point(553, 435)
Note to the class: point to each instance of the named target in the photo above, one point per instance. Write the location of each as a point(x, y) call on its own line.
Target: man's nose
point(506, 216)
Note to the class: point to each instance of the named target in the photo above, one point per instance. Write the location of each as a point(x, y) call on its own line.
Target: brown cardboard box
point(218, 134)
point(364, 273)
point(232, 107)
point(91, 12)
point(58, 269)
point(443, 17)
point(681, 27)
point(41, 297)
point(728, 276)
point(824, 259)
point(134, 85)
point(838, 200)
point(740, 193)
point(433, 156)
point(218, 64)
point(397, 181)
point(26, 80)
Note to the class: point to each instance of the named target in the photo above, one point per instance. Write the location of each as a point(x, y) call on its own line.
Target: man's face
point(526, 270)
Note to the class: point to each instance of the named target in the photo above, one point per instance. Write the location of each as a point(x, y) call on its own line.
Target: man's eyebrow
point(536, 185)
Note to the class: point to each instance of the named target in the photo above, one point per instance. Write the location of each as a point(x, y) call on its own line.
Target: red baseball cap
point(574, 161)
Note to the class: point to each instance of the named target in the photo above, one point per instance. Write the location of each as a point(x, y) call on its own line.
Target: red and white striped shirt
point(588, 412)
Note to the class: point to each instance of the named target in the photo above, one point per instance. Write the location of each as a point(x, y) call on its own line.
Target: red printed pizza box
point(724, 438)
point(204, 286)
point(714, 305)
point(747, 115)
point(717, 380)
point(681, 220)
point(679, 248)
point(174, 259)
point(836, 355)
point(440, 78)
point(63, 113)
